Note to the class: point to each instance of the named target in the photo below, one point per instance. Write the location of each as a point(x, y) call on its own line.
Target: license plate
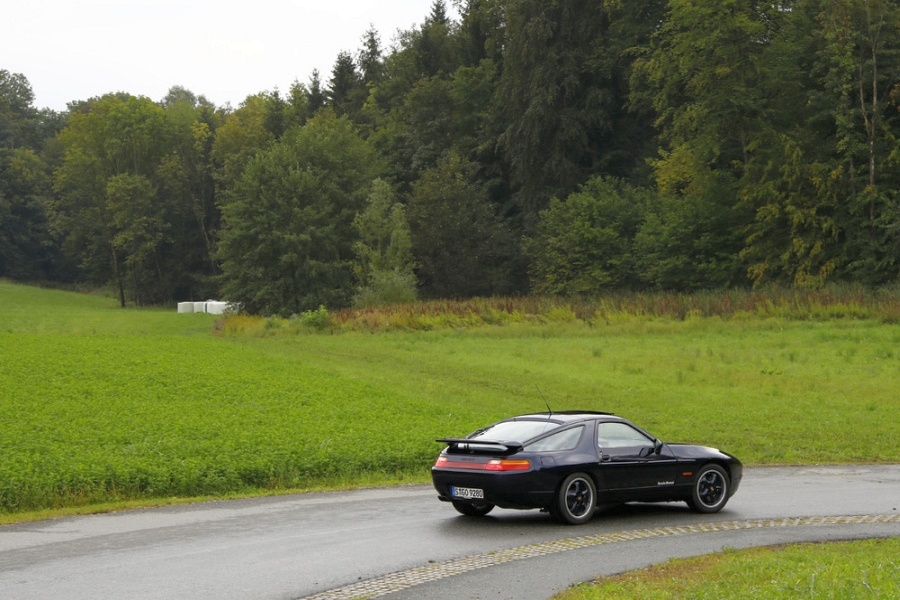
point(458, 492)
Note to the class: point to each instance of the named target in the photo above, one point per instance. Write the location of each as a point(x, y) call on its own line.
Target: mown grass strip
point(859, 569)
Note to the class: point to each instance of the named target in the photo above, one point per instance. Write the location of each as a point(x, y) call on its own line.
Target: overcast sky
point(225, 50)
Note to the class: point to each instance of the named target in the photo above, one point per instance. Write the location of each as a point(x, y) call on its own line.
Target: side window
point(620, 435)
point(563, 440)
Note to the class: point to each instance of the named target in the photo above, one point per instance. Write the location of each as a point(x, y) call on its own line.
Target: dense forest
point(563, 147)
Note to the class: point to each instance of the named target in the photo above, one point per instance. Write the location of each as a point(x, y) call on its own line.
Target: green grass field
point(861, 569)
point(101, 404)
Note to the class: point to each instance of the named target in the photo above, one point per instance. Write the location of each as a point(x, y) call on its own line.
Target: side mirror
point(657, 446)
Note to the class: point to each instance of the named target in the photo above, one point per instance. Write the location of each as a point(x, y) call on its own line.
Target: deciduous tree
point(584, 244)
point(287, 237)
point(110, 143)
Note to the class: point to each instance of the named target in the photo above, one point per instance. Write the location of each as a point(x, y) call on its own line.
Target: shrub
point(317, 319)
point(386, 288)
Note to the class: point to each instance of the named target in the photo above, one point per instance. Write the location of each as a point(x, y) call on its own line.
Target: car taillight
point(499, 464)
point(495, 464)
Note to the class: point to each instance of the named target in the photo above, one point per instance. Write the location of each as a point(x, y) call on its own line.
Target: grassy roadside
point(103, 406)
point(859, 569)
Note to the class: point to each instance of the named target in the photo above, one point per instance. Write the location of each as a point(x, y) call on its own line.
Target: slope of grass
point(101, 404)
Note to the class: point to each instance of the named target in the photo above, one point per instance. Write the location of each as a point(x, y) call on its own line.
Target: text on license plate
point(458, 492)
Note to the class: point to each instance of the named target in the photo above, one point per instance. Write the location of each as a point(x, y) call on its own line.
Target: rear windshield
point(515, 431)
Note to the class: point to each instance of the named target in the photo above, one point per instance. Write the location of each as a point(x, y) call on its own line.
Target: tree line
point(530, 146)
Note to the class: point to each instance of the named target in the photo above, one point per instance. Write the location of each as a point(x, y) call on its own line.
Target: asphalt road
point(403, 543)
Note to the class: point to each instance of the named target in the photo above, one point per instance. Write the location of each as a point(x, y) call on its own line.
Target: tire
point(472, 510)
point(710, 490)
point(575, 500)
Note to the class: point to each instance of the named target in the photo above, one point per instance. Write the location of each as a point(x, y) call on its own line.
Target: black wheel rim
point(579, 498)
point(711, 488)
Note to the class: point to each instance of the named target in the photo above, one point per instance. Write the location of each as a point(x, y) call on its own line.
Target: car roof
point(567, 416)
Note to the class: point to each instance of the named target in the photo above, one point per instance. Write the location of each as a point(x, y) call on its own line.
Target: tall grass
point(837, 302)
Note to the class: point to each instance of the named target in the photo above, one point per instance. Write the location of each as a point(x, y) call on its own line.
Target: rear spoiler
point(471, 446)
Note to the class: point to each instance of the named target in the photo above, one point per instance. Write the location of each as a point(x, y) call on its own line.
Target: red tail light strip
point(444, 463)
point(495, 464)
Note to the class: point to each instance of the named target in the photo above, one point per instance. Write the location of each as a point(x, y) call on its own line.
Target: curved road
point(403, 543)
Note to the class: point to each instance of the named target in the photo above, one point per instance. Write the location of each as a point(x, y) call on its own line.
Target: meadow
point(105, 405)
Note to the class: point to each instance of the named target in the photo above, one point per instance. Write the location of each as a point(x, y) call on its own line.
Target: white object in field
point(216, 307)
point(213, 307)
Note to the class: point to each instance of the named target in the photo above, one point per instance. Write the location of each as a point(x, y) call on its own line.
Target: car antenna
point(547, 404)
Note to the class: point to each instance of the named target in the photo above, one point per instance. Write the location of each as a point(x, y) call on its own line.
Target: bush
point(386, 288)
point(317, 319)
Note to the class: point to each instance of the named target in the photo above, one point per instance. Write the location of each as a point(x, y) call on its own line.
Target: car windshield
point(515, 431)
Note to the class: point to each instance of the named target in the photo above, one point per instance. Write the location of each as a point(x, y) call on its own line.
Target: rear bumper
point(506, 490)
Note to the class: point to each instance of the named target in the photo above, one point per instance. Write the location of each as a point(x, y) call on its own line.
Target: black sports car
point(567, 462)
